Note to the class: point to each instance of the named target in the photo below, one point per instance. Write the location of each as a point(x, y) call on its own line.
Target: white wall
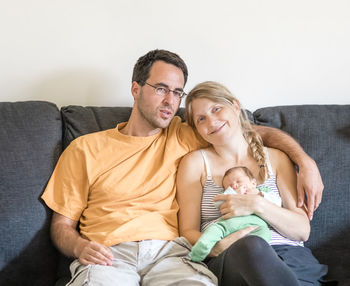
point(268, 52)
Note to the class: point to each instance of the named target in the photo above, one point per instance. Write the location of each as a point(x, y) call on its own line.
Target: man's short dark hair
point(144, 64)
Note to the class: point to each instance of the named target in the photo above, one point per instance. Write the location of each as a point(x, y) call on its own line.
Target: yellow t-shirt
point(121, 188)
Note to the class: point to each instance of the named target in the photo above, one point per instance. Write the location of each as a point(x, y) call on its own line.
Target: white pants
point(147, 263)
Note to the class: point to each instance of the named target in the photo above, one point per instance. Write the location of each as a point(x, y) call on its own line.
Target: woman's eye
point(216, 108)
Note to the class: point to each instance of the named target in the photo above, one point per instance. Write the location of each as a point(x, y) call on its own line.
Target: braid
point(256, 145)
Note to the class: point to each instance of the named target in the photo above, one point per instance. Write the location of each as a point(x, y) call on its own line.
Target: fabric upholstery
point(79, 120)
point(324, 133)
point(30, 143)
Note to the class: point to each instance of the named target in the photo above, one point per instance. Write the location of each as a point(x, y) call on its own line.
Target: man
point(119, 184)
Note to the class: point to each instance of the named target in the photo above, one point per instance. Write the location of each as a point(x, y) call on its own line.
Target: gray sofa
point(33, 135)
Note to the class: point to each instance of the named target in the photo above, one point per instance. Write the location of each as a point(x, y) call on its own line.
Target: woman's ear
point(135, 89)
point(236, 105)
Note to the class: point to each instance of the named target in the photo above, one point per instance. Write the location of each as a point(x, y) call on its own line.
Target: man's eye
point(161, 90)
point(216, 108)
point(177, 93)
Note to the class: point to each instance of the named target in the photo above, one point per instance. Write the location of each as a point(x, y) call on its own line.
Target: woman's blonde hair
point(216, 92)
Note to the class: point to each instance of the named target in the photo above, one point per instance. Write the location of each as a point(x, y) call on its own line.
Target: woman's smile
point(217, 130)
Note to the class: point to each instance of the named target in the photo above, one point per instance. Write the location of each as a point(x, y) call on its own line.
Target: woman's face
point(215, 122)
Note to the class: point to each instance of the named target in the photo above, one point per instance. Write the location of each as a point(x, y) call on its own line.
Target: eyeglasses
point(164, 91)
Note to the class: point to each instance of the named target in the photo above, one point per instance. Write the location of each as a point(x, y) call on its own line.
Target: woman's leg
point(251, 261)
point(302, 262)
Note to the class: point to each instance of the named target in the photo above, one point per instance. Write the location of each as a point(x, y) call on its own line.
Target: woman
point(239, 259)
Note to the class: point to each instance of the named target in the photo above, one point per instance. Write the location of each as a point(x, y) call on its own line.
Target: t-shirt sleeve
point(68, 188)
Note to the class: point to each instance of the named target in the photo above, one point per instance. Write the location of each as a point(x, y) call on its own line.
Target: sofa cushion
point(30, 143)
point(324, 133)
point(78, 120)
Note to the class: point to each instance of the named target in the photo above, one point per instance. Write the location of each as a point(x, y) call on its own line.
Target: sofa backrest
point(30, 144)
point(324, 133)
point(78, 120)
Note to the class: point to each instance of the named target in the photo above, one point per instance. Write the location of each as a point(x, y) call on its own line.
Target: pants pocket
point(80, 273)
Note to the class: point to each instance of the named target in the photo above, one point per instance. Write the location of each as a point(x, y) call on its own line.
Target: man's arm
point(309, 178)
point(70, 243)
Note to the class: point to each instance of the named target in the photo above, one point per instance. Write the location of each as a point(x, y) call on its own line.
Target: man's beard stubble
point(151, 115)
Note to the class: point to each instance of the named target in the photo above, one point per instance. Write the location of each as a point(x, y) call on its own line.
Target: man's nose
point(169, 98)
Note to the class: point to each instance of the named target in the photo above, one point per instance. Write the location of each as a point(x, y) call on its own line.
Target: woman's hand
point(237, 205)
point(225, 243)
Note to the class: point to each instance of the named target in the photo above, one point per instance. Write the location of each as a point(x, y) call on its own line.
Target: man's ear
point(135, 89)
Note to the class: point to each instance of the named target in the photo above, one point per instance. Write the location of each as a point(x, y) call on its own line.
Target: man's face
point(154, 110)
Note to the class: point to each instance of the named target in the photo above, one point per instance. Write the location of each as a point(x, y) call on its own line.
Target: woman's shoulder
point(197, 154)
point(275, 153)
point(277, 157)
point(194, 159)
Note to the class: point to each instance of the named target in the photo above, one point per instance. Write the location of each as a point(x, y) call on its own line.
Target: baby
point(237, 180)
point(240, 180)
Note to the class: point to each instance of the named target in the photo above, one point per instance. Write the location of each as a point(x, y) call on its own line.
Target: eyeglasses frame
point(183, 94)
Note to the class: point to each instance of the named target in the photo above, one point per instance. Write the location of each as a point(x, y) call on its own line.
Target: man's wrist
point(78, 246)
point(306, 163)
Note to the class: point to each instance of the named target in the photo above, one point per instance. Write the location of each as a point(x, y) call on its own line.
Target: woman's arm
point(189, 195)
point(289, 220)
point(309, 178)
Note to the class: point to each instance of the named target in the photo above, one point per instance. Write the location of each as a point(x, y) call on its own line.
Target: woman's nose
point(211, 120)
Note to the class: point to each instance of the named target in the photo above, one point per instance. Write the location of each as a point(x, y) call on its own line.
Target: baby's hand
point(253, 191)
point(229, 191)
point(242, 190)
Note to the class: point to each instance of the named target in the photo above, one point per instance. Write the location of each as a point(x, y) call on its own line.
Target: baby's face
point(240, 182)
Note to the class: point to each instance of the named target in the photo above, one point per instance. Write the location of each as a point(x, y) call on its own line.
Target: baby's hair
point(243, 168)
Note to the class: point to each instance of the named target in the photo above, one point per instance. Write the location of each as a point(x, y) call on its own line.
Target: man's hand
point(309, 184)
point(225, 243)
point(67, 239)
point(90, 252)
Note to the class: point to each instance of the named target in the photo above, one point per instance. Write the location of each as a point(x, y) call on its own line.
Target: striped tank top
point(210, 214)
